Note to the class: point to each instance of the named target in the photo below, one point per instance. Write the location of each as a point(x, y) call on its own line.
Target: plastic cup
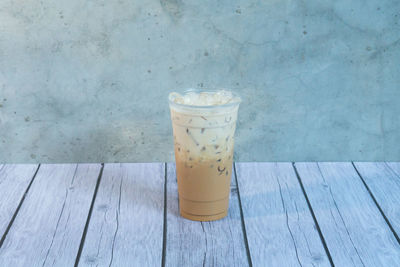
point(204, 141)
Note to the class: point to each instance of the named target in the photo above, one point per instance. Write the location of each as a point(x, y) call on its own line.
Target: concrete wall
point(87, 81)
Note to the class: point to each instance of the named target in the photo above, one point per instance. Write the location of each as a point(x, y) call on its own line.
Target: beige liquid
point(203, 153)
point(203, 190)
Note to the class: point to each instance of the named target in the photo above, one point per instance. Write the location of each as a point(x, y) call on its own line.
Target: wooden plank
point(383, 180)
point(355, 231)
point(126, 226)
point(279, 226)
point(395, 166)
point(14, 180)
point(190, 243)
point(48, 228)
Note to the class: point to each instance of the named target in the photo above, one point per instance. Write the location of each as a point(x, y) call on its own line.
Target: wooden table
point(281, 214)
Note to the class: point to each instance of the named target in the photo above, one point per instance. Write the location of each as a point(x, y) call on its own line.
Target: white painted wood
point(395, 166)
point(280, 228)
point(355, 232)
point(14, 180)
point(190, 243)
point(126, 226)
point(48, 228)
point(383, 179)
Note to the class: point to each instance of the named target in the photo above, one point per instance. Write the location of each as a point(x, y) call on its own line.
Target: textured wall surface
point(87, 81)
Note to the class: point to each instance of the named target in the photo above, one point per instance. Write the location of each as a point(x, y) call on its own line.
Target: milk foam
point(214, 98)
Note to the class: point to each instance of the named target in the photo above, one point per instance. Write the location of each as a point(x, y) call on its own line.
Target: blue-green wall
point(87, 81)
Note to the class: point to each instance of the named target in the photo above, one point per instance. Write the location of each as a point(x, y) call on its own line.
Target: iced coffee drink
point(204, 125)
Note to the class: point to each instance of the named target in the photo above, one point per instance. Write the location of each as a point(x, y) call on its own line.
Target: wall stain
point(173, 8)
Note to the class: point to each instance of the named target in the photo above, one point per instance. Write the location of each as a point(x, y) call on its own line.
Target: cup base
point(204, 218)
point(203, 210)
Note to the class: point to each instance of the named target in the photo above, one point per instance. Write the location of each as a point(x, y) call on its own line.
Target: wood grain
point(280, 228)
point(126, 226)
point(14, 180)
point(191, 243)
point(354, 229)
point(48, 228)
point(383, 180)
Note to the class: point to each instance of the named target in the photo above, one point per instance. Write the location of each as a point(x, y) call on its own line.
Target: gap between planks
point(246, 242)
point(214, 242)
point(271, 195)
point(18, 207)
point(78, 256)
point(164, 247)
point(347, 215)
point(377, 204)
point(321, 236)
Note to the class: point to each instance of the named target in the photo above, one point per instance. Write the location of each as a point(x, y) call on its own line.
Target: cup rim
point(230, 104)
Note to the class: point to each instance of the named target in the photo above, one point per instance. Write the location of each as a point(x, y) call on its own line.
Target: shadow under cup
point(204, 142)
